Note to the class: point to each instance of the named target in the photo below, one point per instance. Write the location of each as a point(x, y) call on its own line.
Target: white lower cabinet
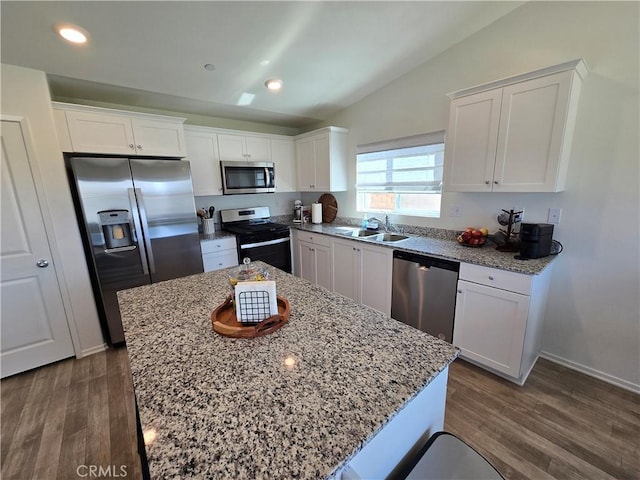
point(499, 318)
point(313, 254)
point(219, 253)
point(363, 273)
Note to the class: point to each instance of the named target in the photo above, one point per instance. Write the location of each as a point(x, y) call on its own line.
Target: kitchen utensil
point(329, 207)
point(211, 211)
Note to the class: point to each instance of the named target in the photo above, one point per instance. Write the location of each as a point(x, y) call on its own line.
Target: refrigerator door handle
point(145, 228)
point(138, 230)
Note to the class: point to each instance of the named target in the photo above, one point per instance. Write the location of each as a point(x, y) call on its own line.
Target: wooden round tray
point(329, 207)
point(224, 320)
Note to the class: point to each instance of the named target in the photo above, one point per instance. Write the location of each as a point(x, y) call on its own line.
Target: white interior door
point(33, 323)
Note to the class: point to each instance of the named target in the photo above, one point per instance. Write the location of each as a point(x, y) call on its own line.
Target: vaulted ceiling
point(152, 54)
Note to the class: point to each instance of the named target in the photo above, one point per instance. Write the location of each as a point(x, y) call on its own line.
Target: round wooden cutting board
point(329, 207)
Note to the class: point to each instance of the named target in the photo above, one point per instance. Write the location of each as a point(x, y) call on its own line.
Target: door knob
point(42, 263)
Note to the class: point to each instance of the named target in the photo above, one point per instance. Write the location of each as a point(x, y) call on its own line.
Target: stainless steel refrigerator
point(139, 221)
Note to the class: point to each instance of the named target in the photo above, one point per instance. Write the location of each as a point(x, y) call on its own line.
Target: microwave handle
point(270, 176)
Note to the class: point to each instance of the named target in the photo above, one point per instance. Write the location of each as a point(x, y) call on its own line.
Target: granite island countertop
point(442, 247)
point(231, 408)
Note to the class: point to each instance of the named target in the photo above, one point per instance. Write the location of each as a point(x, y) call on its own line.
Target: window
point(402, 176)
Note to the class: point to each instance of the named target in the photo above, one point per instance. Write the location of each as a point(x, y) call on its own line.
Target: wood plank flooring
point(560, 425)
point(59, 420)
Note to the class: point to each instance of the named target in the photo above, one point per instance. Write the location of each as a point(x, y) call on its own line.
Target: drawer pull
point(490, 277)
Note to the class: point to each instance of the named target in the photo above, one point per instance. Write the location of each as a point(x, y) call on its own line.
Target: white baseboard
point(605, 377)
point(92, 350)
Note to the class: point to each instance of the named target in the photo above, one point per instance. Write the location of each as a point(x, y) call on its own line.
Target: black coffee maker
point(535, 240)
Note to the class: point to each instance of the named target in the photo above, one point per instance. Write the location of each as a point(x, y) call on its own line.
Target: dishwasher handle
point(427, 261)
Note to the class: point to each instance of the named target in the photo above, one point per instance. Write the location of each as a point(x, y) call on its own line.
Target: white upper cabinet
point(206, 147)
point(244, 148)
point(513, 135)
point(322, 160)
point(85, 129)
point(202, 153)
point(283, 156)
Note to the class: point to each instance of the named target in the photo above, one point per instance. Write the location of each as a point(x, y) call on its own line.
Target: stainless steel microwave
point(248, 177)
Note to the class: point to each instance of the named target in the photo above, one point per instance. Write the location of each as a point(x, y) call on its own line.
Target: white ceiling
point(152, 54)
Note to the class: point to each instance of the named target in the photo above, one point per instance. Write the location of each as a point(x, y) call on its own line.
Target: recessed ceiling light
point(72, 33)
point(210, 66)
point(273, 84)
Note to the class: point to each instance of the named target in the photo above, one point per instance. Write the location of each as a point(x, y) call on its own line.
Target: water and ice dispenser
point(116, 228)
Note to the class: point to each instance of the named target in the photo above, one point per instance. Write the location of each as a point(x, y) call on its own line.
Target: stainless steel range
point(257, 237)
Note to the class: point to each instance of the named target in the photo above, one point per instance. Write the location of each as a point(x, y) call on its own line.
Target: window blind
point(405, 165)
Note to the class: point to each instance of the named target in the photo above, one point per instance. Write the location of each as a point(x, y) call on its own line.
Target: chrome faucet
point(385, 226)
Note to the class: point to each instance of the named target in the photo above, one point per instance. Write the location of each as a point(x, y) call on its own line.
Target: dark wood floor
point(561, 424)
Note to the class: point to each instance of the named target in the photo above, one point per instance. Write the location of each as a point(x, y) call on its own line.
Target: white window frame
point(378, 151)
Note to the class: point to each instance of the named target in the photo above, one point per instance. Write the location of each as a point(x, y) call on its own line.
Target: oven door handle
point(264, 244)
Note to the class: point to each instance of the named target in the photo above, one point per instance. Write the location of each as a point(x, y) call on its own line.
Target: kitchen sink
point(357, 233)
point(389, 237)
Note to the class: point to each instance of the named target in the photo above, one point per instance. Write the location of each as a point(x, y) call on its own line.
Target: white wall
point(25, 93)
point(593, 315)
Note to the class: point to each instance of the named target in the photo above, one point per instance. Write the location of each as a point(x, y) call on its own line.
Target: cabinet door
point(162, 139)
point(306, 164)
point(100, 133)
point(322, 163)
point(307, 261)
point(376, 264)
point(258, 149)
point(283, 156)
point(490, 326)
point(231, 148)
point(346, 268)
point(323, 266)
point(202, 153)
point(532, 130)
point(470, 149)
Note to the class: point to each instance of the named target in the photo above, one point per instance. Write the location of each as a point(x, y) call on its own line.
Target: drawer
point(216, 261)
point(218, 245)
point(315, 238)
point(494, 277)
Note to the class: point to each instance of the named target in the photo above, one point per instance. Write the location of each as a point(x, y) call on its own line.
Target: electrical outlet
point(455, 211)
point(554, 215)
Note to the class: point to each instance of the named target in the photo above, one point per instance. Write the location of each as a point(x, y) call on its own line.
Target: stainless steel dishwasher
point(424, 293)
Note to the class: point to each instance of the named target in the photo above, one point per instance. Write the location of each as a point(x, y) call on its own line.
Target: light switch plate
point(554, 215)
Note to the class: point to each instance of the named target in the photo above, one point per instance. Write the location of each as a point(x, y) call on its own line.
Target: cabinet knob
point(486, 182)
point(139, 147)
point(459, 291)
point(131, 146)
point(42, 263)
point(496, 182)
point(490, 277)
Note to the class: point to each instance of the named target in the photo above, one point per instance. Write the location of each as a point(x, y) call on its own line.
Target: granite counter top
point(217, 235)
point(231, 408)
point(448, 248)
